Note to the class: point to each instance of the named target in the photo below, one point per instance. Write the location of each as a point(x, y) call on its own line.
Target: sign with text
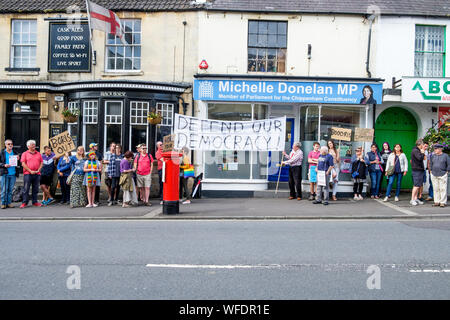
point(168, 142)
point(287, 91)
point(444, 116)
point(207, 134)
point(426, 90)
point(69, 48)
point(341, 134)
point(61, 143)
point(364, 135)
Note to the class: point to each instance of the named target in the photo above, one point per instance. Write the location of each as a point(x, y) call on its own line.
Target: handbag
point(70, 177)
point(356, 173)
point(391, 170)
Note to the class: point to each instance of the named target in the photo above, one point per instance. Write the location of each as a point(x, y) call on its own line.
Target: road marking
point(392, 206)
point(430, 271)
point(211, 266)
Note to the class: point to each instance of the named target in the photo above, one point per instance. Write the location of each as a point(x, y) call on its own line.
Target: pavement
point(239, 208)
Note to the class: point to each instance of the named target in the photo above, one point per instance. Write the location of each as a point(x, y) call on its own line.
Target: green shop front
point(312, 106)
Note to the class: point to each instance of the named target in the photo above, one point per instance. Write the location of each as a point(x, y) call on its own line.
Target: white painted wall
point(339, 43)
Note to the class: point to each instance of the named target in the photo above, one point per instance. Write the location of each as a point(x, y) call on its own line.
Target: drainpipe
point(370, 18)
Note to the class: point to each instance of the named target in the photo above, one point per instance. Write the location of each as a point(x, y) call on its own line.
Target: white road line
point(211, 266)
point(430, 271)
point(392, 206)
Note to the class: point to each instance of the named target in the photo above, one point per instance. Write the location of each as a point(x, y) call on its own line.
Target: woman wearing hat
point(92, 169)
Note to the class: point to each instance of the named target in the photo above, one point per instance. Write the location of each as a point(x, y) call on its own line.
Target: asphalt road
point(225, 260)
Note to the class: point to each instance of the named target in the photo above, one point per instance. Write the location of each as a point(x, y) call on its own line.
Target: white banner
point(207, 134)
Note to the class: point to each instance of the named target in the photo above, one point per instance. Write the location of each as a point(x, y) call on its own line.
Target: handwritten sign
point(62, 143)
point(341, 134)
point(13, 161)
point(208, 134)
point(364, 135)
point(168, 142)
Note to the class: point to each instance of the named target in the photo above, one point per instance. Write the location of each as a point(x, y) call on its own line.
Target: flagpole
point(90, 38)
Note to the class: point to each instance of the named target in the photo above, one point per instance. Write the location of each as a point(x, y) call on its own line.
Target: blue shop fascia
point(312, 106)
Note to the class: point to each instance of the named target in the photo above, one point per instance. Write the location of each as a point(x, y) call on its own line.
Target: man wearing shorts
point(418, 169)
point(143, 164)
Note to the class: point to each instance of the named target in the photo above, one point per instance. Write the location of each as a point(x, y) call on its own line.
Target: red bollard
point(171, 182)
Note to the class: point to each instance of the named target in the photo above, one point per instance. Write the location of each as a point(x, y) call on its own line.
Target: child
point(92, 169)
point(313, 157)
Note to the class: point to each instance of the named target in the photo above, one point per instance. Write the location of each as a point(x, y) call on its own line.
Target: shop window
point(90, 122)
point(138, 123)
point(113, 122)
point(23, 44)
point(267, 43)
point(165, 128)
point(429, 57)
point(330, 116)
point(125, 57)
point(221, 164)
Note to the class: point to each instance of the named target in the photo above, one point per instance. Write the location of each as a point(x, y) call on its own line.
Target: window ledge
point(22, 71)
point(267, 73)
point(124, 73)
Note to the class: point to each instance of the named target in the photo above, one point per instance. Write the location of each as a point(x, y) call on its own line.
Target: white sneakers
point(413, 203)
point(419, 202)
point(387, 198)
point(358, 197)
point(396, 199)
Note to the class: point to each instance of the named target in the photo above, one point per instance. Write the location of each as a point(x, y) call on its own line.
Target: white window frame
point(163, 109)
point(87, 106)
point(147, 109)
point(115, 118)
point(118, 43)
point(30, 44)
point(423, 46)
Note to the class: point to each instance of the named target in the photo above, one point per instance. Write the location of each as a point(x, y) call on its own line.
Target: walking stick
point(279, 173)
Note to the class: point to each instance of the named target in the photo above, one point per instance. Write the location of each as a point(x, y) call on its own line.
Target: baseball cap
point(93, 144)
point(438, 145)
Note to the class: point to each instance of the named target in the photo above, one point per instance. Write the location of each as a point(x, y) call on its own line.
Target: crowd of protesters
point(79, 176)
point(324, 161)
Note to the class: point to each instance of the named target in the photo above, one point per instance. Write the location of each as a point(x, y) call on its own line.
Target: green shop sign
point(426, 90)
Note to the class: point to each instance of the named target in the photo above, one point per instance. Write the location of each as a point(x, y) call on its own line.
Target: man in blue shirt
point(8, 174)
point(325, 163)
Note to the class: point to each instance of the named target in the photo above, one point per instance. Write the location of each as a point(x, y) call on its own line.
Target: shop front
point(312, 106)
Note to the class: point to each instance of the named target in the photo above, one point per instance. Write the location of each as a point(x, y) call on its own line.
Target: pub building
point(109, 111)
point(312, 106)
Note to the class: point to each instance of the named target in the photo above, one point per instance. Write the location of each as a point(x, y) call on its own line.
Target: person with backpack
point(8, 173)
point(359, 172)
point(143, 165)
point(396, 167)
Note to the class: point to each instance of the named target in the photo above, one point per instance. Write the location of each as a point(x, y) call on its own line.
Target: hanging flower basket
point(70, 116)
point(154, 118)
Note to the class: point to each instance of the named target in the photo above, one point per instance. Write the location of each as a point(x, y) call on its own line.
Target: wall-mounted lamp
point(17, 107)
point(55, 107)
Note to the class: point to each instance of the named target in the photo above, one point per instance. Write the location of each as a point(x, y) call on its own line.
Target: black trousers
point(295, 181)
point(115, 188)
point(160, 185)
point(65, 188)
point(358, 187)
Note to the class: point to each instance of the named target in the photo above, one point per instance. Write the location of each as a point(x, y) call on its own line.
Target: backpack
point(150, 157)
point(17, 194)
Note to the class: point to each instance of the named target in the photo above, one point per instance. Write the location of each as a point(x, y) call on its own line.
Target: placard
point(341, 134)
point(364, 135)
point(13, 161)
point(61, 143)
point(69, 48)
point(168, 142)
point(208, 134)
point(321, 178)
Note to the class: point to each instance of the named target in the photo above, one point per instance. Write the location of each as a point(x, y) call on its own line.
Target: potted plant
point(70, 116)
point(154, 118)
point(439, 135)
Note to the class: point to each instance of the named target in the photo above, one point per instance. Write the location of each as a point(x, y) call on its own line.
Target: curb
point(159, 217)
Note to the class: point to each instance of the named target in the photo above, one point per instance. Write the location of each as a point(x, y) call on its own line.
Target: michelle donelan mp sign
point(207, 134)
point(288, 91)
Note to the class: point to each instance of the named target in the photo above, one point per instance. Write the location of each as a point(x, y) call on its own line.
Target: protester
point(375, 170)
point(8, 173)
point(396, 168)
point(440, 167)
point(143, 164)
point(425, 165)
point(106, 159)
point(92, 169)
point(325, 164)
point(159, 158)
point(127, 181)
point(99, 157)
point(78, 197)
point(187, 176)
point(385, 155)
point(359, 172)
point(32, 164)
point(428, 168)
point(417, 167)
point(48, 158)
point(114, 173)
point(334, 178)
point(295, 160)
point(313, 156)
point(64, 169)
point(138, 190)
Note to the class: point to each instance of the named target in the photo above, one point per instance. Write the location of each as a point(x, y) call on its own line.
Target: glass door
point(275, 156)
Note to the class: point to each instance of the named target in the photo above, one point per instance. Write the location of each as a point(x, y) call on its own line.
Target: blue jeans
point(430, 189)
point(7, 185)
point(33, 181)
point(399, 177)
point(375, 181)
